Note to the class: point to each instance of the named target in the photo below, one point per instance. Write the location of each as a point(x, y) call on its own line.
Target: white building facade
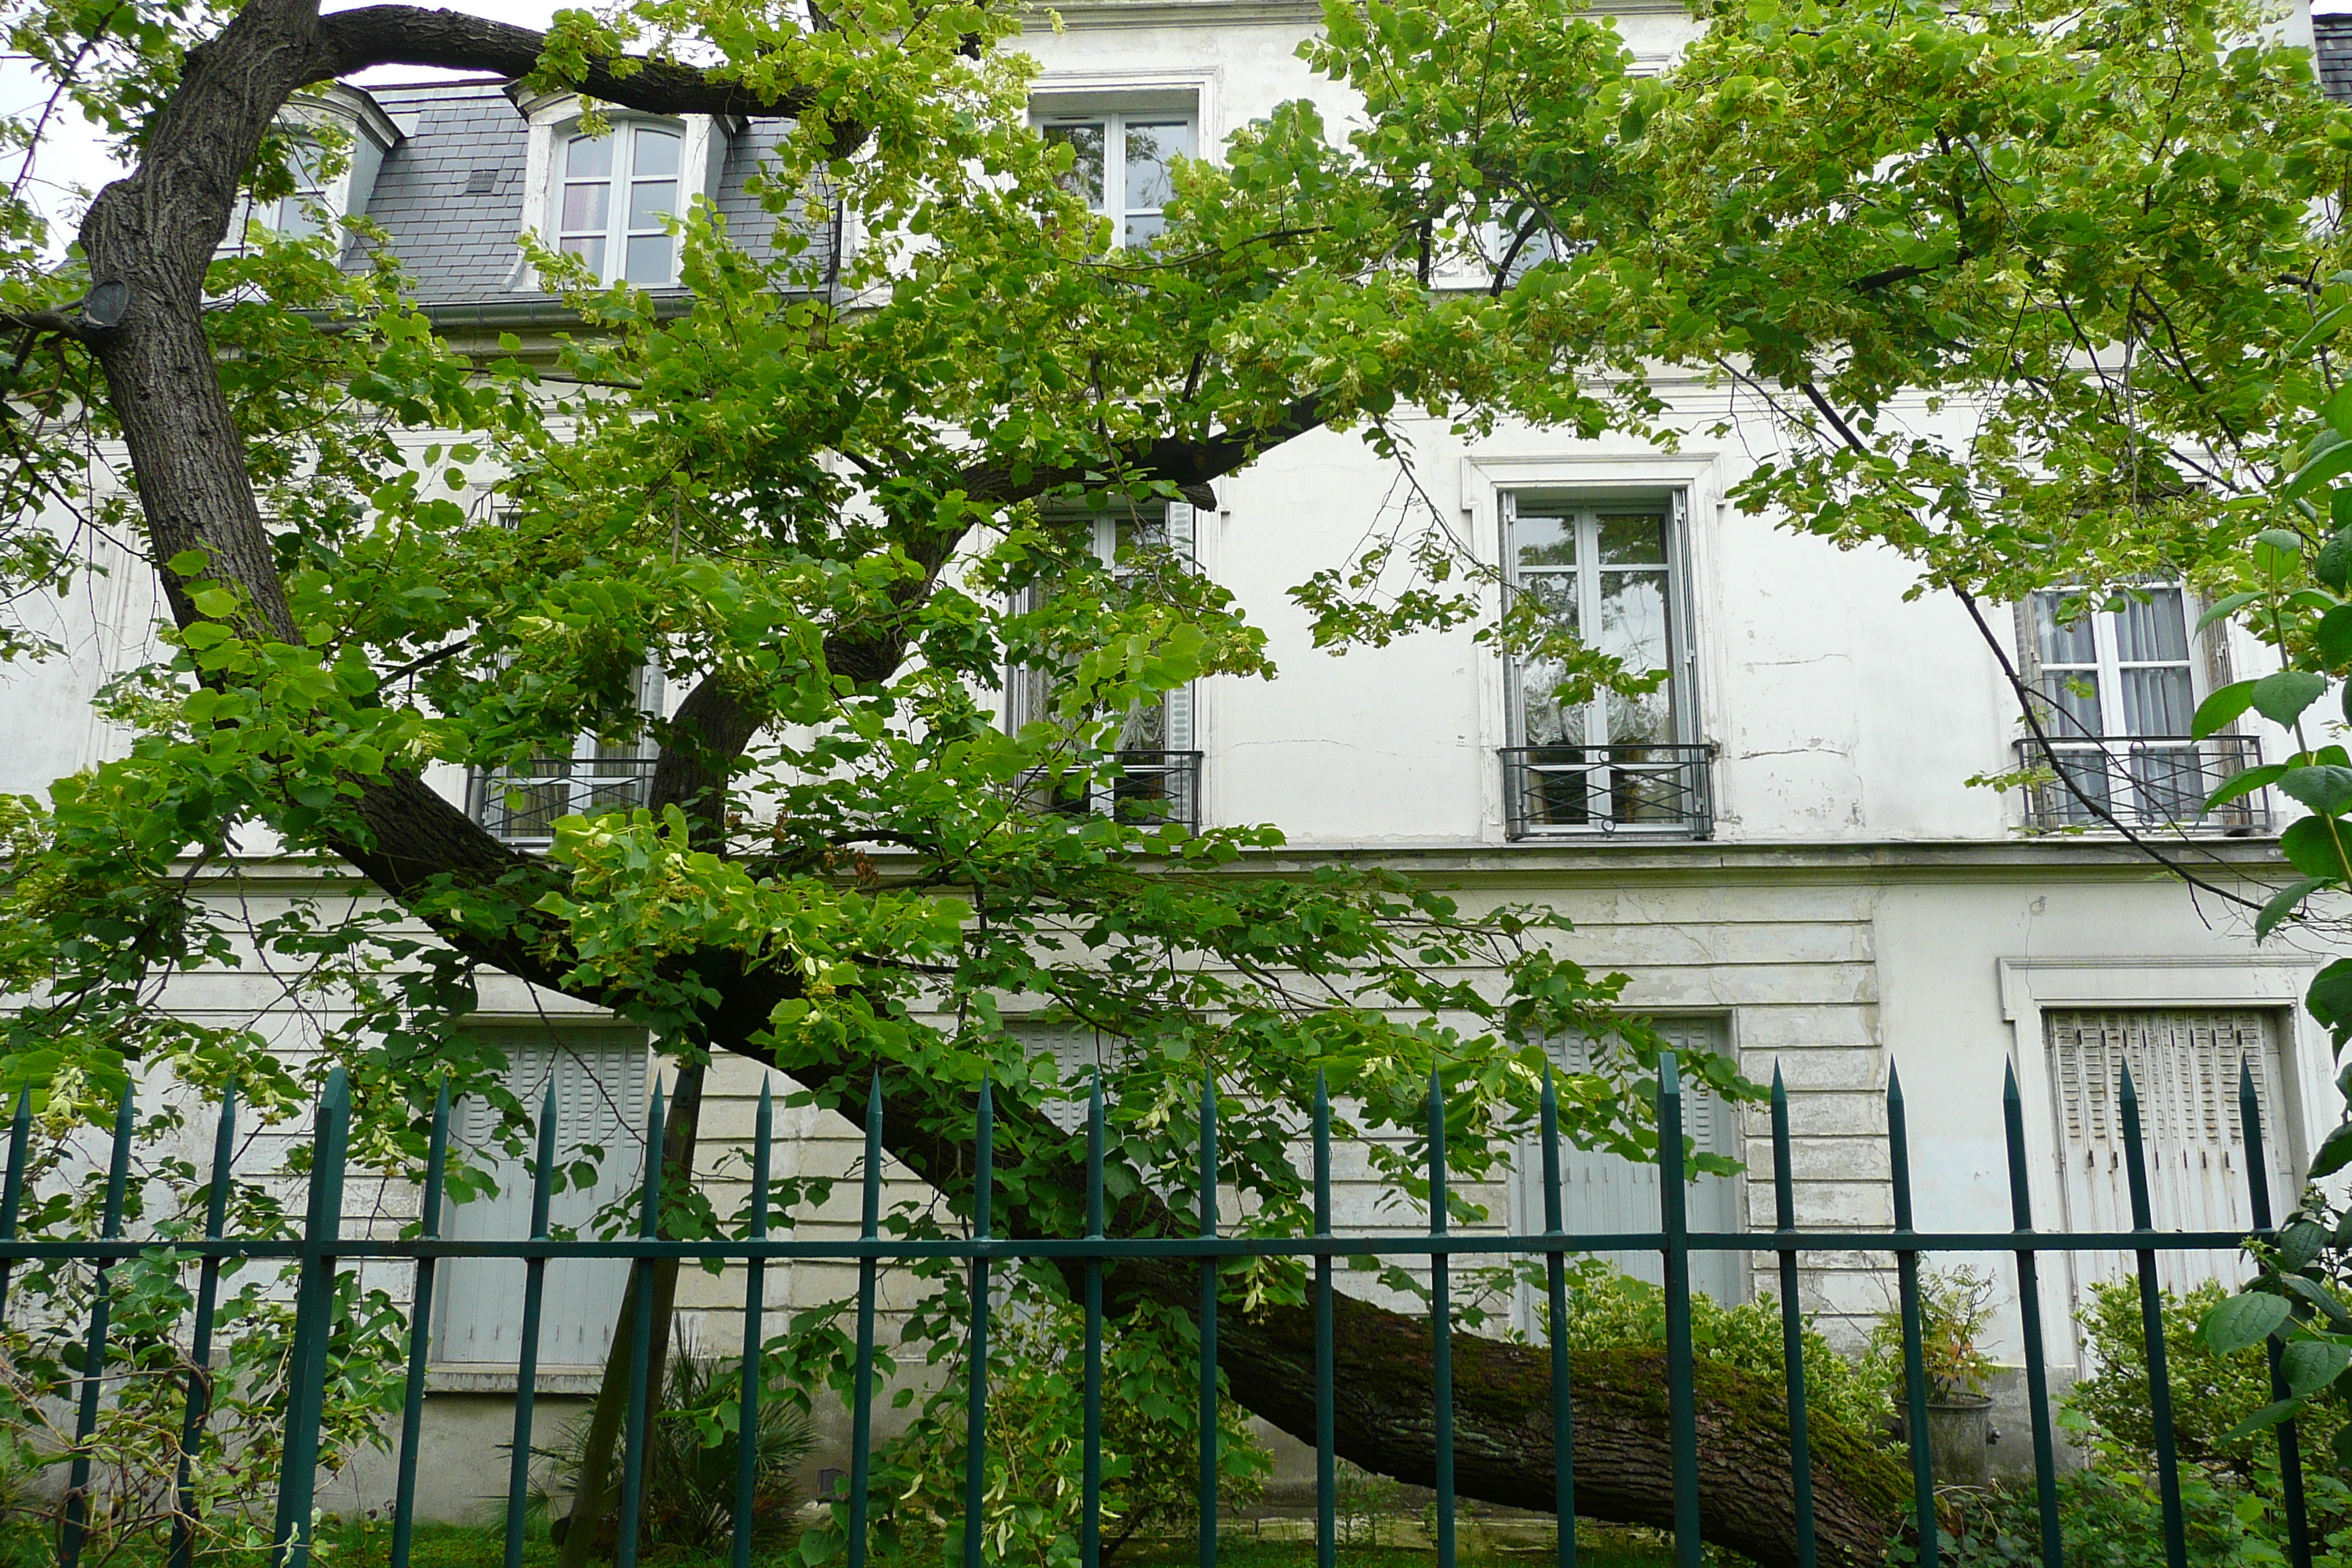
point(1781, 846)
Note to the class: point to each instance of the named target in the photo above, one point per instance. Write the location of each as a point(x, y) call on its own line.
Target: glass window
point(2122, 671)
point(1121, 166)
point(1604, 573)
point(615, 192)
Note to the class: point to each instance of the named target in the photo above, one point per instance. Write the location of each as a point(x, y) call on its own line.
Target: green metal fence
point(323, 1251)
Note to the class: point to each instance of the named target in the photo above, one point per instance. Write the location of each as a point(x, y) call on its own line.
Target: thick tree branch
point(412, 36)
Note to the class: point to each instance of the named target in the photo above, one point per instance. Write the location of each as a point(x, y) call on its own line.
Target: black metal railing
point(1140, 787)
point(521, 804)
point(1630, 788)
point(2141, 781)
point(322, 1255)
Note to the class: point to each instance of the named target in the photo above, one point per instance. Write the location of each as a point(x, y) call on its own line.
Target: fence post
point(2151, 1317)
point(93, 1366)
point(12, 1196)
point(420, 1334)
point(641, 1344)
point(861, 1401)
point(200, 1348)
point(2029, 1299)
point(755, 1285)
point(1914, 1371)
point(1682, 1392)
point(534, 1293)
point(314, 1321)
point(1792, 1327)
point(1090, 1502)
point(975, 1418)
point(1441, 1326)
point(1207, 1503)
point(2289, 1442)
point(1327, 1468)
point(1563, 1416)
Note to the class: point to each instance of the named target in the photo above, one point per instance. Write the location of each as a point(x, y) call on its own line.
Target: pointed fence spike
point(1326, 1488)
point(2029, 1301)
point(1440, 1321)
point(1792, 1327)
point(1563, 1413)
point(76, 1527)
point(641, 1341)
point(1090, 1457)
point(975, 1427)
point(1206, 1504)
point(2151, 1311)
point(1682, 1397)
point(861, 1401)
point(755, 1274)
point(200, 1349)
point(1914, 1373)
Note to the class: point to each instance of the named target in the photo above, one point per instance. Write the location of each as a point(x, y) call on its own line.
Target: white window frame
point(2107, 671)
point(585, 783)
point(617, 236)
point(1116, 206)
point(364, 133)
point(554, 118)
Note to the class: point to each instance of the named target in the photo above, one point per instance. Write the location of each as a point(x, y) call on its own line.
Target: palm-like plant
point(687, 1500)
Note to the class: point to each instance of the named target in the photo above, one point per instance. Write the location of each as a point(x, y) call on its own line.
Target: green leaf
point(2310, 1366)
point(2313, 846)
point(2334, 567)
point(2325, 789)
point(2284, 902)
point(2221, 708)
point(2333, 635)
point(2312, 1292)
point(2238, 1322)
point(2299, 1243)
point(2329, 1000)
point(219, 604)
point(2246, 784)
point(2262, 1420)
point(2220, 608)
point(2329, 456)
point(2337, 411)
point(2281, 697)
point(2318, 333)
point(2334, 1153)
point(189, 563)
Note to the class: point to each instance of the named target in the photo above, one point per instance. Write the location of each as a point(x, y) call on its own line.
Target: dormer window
point(616, 192)
point(296, 215)
point(605, 198)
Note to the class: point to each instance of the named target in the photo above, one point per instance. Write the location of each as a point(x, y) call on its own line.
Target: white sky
point(71, 153)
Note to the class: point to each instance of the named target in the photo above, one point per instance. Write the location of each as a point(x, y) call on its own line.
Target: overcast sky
point(71, 154)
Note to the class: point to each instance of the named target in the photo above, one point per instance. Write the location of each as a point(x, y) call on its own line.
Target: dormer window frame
point(555, 121)
point(367, 133)
point(1113, 99)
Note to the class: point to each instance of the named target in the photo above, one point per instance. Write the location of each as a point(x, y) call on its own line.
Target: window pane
point(2076, 696)
point(1634, 628)
point(656, 155)
point(1142, 229)
point(588, 158)
point(649, 201)
point(586, 208)
point(294, 220)
point(1632, 540)
point(590, 250)
point(2070, 643)
point(1544, 541)
point(2152, 631)
point(1085, 176)
point(1149, 149)
point(1545, 721)
point(2157, 701)
point(648, 259)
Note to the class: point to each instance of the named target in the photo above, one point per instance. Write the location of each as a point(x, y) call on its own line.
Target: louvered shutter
point(2184, 1066)
point(600, 1097)
point(1601, 1192)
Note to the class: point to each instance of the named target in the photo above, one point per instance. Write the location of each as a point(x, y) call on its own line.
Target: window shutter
point(1180, 525)
point(600, 1096)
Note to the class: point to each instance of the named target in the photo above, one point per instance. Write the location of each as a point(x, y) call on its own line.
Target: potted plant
point(1954, 1309)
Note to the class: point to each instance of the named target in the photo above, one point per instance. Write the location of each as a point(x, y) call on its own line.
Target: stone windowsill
point(580, 1380)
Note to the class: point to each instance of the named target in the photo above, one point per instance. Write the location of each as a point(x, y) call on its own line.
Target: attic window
point(616, 194)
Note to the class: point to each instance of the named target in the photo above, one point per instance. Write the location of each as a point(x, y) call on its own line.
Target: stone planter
point(1961, 1436)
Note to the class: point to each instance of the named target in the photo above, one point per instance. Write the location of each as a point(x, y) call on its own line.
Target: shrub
point(1608, 1309)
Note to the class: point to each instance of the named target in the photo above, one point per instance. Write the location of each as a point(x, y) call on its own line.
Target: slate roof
point(450, 195)
point(2334, 36)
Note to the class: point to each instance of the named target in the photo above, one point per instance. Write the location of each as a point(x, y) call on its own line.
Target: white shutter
point(1600, 1193)
point(1179, 705)
point(600, 1102)
point(2184, 1066)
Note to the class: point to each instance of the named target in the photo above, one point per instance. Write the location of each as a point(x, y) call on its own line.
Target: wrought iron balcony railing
point(520, 806)
point(1585, 789)
point(1148, 787)
point(2142, 780)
